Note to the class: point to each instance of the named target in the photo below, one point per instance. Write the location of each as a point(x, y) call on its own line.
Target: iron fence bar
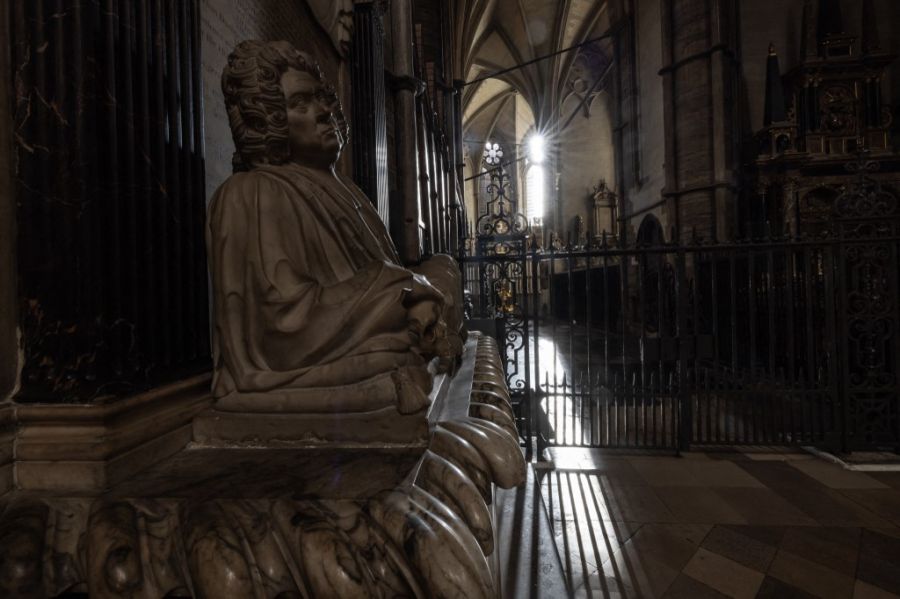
point(655, 394)
point(735, 365)
point(775, 288)
point(789, 258)
point(671, 249)
point(714, 297)
point(752, 290)
point(588, 335)
point(695, 248)
point(770, 273)
point(623, 293)
point(808, 418)
point(685, 419)
point(836, 314)
point(539, 395)
point(553, 337)
point(606, 331)
point(693, 371)
point(571, 325)
point(527, 396)
point(641, 415)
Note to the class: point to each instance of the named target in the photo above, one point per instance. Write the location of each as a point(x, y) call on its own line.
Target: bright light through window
point(537, 148)
point(534, 187)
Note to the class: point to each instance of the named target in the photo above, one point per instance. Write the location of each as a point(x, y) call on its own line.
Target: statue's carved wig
point(254, 99)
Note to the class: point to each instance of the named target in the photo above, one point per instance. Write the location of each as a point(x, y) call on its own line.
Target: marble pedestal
point(298, 517)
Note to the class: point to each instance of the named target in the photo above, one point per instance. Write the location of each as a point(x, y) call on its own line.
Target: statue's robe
point(308, 297)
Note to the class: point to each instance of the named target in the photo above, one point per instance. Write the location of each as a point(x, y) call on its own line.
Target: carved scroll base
point(431, 536)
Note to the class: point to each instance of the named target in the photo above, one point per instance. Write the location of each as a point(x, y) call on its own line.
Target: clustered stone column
point(700, 73)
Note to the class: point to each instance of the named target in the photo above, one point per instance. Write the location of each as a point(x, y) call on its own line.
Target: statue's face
point(313, 134)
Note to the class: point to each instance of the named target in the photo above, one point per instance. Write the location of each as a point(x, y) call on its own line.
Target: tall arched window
point(535, 188)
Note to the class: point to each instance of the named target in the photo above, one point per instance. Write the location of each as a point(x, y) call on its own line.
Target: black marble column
point(369, 125)
point(110, 195)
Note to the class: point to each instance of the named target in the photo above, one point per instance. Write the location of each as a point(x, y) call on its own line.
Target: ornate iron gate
point(867, 216)
point(788, 339)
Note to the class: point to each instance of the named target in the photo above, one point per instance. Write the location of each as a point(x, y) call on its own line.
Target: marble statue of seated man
point(312, 311)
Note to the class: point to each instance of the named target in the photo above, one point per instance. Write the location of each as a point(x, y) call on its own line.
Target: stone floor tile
point(586, 459)
point(779, 475)
point(884, 502)
point(732, 542)
point(642, 571)
point(810, 576)
point(671, 544)
point(772, 588)
point(830, 507)
point(619, 471)
point(727, 454)
point(698, 505)
point(694, 455)
point(574, 496)
point(836, 477)
point(879, 559)
point(891, 479)
point(666, 471)
point(832, 547)
point(724, 575)
point(578, 492)
point(721, 474)
point(634, 504)
point(651, 526)
point(600, 586)
point(864, 590)
point(598, 540)
point(779, 457)
point(605, 588)
point(685, 587)
point(763, 507)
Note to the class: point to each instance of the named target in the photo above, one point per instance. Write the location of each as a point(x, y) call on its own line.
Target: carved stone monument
point(313, 314)
point(354, 435)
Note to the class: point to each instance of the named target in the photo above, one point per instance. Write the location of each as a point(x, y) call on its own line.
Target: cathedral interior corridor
point(453, 299)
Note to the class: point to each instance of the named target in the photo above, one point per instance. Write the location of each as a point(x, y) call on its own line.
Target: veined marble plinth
point(295, 519)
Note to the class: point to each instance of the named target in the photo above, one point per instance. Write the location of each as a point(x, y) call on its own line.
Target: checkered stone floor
point(767, 523)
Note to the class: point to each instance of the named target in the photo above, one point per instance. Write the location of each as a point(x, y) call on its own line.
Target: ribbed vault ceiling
point(493, 35)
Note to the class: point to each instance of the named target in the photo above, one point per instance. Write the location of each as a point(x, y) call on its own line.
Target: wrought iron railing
point(782, 340)
point(791, 337)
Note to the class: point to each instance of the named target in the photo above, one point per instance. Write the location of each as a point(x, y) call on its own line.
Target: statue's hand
point(423, 316)
point(424, 304)
point(423, 290)
point(436, 343)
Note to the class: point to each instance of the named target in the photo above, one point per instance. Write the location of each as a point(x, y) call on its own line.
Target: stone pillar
point(700, 75)
point(627, 134)
point(405, 88)
point(369, 125)
point(458, 167)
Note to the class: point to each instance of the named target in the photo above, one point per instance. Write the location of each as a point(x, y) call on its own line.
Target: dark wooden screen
point(110, 194)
